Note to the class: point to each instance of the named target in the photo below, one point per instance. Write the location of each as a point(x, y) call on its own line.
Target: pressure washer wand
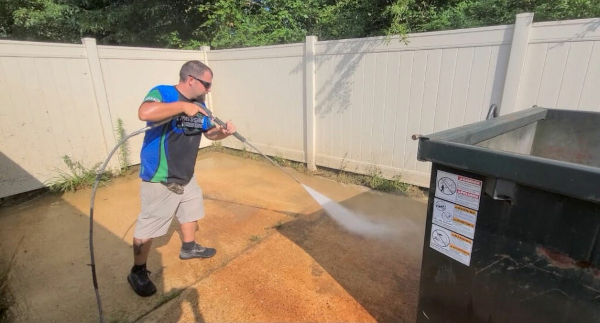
point(243, 140)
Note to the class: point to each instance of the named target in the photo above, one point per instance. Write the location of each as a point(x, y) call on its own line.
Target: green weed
point(377, 182)
point(279, 160)
point(76, 177)
point(124, 150)
point(169, 296)
point(278, 224)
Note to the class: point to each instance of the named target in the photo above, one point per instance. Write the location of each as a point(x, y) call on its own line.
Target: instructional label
point(454, 217)
point(458, 189)
point(451, 244)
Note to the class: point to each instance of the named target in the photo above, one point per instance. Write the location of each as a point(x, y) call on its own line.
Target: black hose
point(243, 140)
point(98, 177)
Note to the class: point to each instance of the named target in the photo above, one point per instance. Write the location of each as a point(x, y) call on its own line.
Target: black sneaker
point(197, 251)
point(141, 283)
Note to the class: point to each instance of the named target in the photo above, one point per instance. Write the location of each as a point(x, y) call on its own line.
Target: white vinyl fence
point(347, 103)
point(59, 100)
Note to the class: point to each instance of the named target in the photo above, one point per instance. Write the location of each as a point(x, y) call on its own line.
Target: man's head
point(195, 79)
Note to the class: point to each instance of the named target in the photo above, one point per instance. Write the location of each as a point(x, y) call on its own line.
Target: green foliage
point(240, 23)
point(377, 182)
point(142, 22)
point(77, 177)
point(167, 297)
point(278, 225)
point(279, 160)
point(124, 150)
point(350, 19)
point(255, 238)
point(217, 145)
point(441, 15)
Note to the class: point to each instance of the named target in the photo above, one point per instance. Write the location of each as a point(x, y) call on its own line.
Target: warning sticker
point(451, 244)
point(458, 189)
point(454, 217)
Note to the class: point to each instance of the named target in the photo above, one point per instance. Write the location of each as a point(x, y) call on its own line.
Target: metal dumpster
point(513, 220)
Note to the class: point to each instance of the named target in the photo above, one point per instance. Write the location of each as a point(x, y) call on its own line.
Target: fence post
point(516, 62)
point(101, 98)
point(309, 84)
point(205, 50)
point(205, 142)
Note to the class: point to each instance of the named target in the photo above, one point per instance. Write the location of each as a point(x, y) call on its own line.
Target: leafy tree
point(417, 16)
point(171, 23)
point(240, 23)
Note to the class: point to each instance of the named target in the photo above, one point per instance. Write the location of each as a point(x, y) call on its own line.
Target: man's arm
point(220, 133)
point(158, 111)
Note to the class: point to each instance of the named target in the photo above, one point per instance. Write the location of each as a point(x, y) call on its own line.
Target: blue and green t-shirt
point(169, 151)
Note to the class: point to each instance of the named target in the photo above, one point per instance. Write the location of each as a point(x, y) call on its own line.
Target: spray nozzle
point(218, 121)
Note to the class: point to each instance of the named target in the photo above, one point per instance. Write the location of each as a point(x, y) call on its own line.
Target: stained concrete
point(280, 257)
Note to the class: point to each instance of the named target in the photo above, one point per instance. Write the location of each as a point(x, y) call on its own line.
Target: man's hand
point(229, 128)
point(191, 110)
point(218, 132)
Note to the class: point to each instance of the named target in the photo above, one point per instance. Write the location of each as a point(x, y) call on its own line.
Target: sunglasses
point(206, 84)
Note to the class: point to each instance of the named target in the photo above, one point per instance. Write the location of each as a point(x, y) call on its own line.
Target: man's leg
point(190, 210)
point(188, 231)
point(189, 248)
point(138, 277)
point(141, 249)
point(158, 206)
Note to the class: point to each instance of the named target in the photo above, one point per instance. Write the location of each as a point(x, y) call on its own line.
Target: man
point(168, 158)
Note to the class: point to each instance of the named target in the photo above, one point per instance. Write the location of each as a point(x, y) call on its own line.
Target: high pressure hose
point(98, 177)
point(101, 172)
point(243, 140)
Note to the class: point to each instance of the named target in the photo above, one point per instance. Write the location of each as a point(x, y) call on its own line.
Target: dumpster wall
point(533, 258)
point(517, 141)
point(563, 135)
point(569, 136)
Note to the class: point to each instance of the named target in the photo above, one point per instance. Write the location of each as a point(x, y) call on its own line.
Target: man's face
point(201, 84)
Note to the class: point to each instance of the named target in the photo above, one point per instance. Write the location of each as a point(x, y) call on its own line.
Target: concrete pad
point(280, 257)
point(274, 282)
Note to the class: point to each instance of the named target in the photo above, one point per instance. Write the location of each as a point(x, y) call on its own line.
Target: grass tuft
point(76, 177)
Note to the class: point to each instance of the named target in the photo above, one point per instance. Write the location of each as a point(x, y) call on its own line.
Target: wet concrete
point(280, 257)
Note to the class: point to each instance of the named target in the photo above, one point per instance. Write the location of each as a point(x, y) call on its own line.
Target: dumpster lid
point(457, 148)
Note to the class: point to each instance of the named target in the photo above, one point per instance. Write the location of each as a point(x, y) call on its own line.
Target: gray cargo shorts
point(159, 205)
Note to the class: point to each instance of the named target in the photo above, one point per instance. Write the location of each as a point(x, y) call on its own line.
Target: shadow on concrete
point(50, 278)
point(191, 299)
point(381, 273)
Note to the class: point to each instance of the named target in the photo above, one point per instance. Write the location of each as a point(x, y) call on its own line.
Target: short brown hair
point(195, 68)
